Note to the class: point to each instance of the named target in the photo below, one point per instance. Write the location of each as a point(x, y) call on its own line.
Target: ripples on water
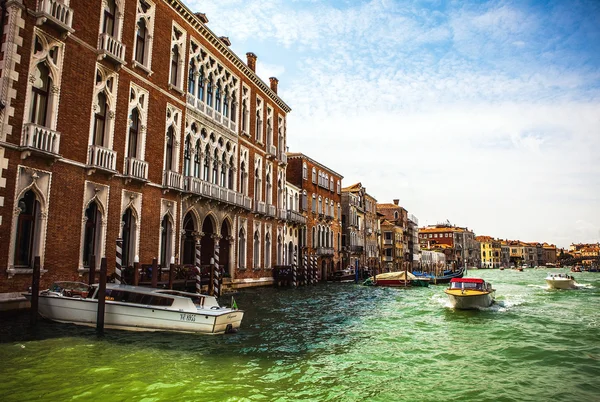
point(331, 342)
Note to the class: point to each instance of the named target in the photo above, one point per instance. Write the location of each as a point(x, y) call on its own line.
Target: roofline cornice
point(300, 155)
point(195, 22)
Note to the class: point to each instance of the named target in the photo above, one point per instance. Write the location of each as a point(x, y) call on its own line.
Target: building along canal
point(331, 342)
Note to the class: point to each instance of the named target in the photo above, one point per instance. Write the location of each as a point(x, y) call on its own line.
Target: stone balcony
point(102, 158)
point(55, 13)
point(112, 49)
point(296, 217)
point(195, 185)
point(136, 169)
point(172, 180)
point(40, 140)
point(326, 251)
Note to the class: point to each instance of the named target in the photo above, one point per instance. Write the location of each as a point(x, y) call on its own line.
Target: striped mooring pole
point(217, 276)
point(304, 268)
point(313, 267)
point(198, 268)
point(294, 269)
point(118, 271)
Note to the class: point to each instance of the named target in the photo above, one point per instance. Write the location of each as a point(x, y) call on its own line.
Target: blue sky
point(483, 113)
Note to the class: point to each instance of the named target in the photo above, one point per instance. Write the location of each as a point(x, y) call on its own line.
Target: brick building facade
point(321, 190)
point(132, 120)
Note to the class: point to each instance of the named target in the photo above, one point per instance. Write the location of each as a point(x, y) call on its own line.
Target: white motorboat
point(470, 293)
point(136, 308)
point(560, 281)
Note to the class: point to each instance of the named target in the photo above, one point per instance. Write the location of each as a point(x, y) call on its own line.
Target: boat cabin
point(468, 283)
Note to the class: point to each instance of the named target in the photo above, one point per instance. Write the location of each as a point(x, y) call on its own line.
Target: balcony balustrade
point(325, 251)
point(260, 207)
point(356, 249)
point(136, 168)
point(111, 48)
point(296, 217)
point(272, 150)
point(388, 241)
point(215, 192)
point(282, 157)
point(271, 210)
point(282, 214)
point(102, 158)
point(56, 13)
point(388, 258)
point(172, 180)
point(40, 138)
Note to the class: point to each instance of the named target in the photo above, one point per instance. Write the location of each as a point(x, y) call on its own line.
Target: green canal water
point(331, 342)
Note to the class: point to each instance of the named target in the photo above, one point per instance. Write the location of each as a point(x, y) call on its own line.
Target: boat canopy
point(467, 280)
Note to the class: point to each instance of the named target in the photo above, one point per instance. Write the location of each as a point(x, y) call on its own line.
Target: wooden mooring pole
point(136, 273)
point(35, 290)
point(101, 298)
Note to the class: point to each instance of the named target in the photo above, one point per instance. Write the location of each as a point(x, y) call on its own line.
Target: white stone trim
point(8, 64)
point(3, 166)
point(138, 97)
point(103, 84)
point(149, 19)
point(99, 193)
point(169, 208)
point(39, 181)
point(133, 200)
point(180, 43)
point(173, 118)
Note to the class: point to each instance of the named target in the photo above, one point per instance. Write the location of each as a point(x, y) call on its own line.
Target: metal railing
point(41, 138)
point(325, 251)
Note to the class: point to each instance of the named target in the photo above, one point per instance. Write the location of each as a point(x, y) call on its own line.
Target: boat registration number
point(187, 317)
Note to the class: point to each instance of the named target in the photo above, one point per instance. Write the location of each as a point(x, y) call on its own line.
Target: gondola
point(446, 276)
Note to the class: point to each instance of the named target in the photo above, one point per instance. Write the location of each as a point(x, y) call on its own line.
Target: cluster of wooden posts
point(302, 272)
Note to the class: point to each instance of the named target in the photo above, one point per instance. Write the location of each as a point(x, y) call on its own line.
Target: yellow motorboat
point(470, 293)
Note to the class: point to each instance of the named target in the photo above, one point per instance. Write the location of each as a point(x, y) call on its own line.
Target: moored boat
point(470, 293)
point(560, 281)
point(445, 276)
point(398, 279)
point(137, 308)
point(344, 275)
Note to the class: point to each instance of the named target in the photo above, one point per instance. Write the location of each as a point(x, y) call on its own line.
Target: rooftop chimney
point(274, 81)
point(396, 202)
point(251, 61)
point(202, 17)
point(225, 40)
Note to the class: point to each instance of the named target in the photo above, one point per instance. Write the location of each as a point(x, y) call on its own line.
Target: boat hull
point(469, 300)
point(138, 318)
point(561, 283)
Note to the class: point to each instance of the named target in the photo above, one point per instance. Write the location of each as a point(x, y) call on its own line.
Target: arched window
point(189, 243)
point(197, 159)
point(304, 171)
point(215, 177)
point(223, 173)
point(225, 103)
point(140, 41)
point(256, 262)
point(191, 78)
point(110, 11)
point(93, 221)
point(206, 167)
point(242, 178)
point(100, 120)
point(314, 237)
point(218, 97)
point(134, 130)
point(242, 248)
point(187, 156)
point(230, 175)
point(209, 91)
point(304, 200)
point(244, 116)
point(169, 154)
point(128, 237)
point(233, 106)
point(165, 241)
point(268, 250)
point(26, 230)
point(175, 66)
point(40, 95)
point(201, 84)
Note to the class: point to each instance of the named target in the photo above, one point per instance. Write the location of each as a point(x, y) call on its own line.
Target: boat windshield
point(71, 288)
point(147, 299)
point(467, 285)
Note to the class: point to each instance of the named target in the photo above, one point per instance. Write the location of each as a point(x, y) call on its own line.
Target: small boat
point(560, 281)
point(445, 277)
point(470, 293)
point(136, 308)
point(576, 269)
point(345, 275)
point(397, 279)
